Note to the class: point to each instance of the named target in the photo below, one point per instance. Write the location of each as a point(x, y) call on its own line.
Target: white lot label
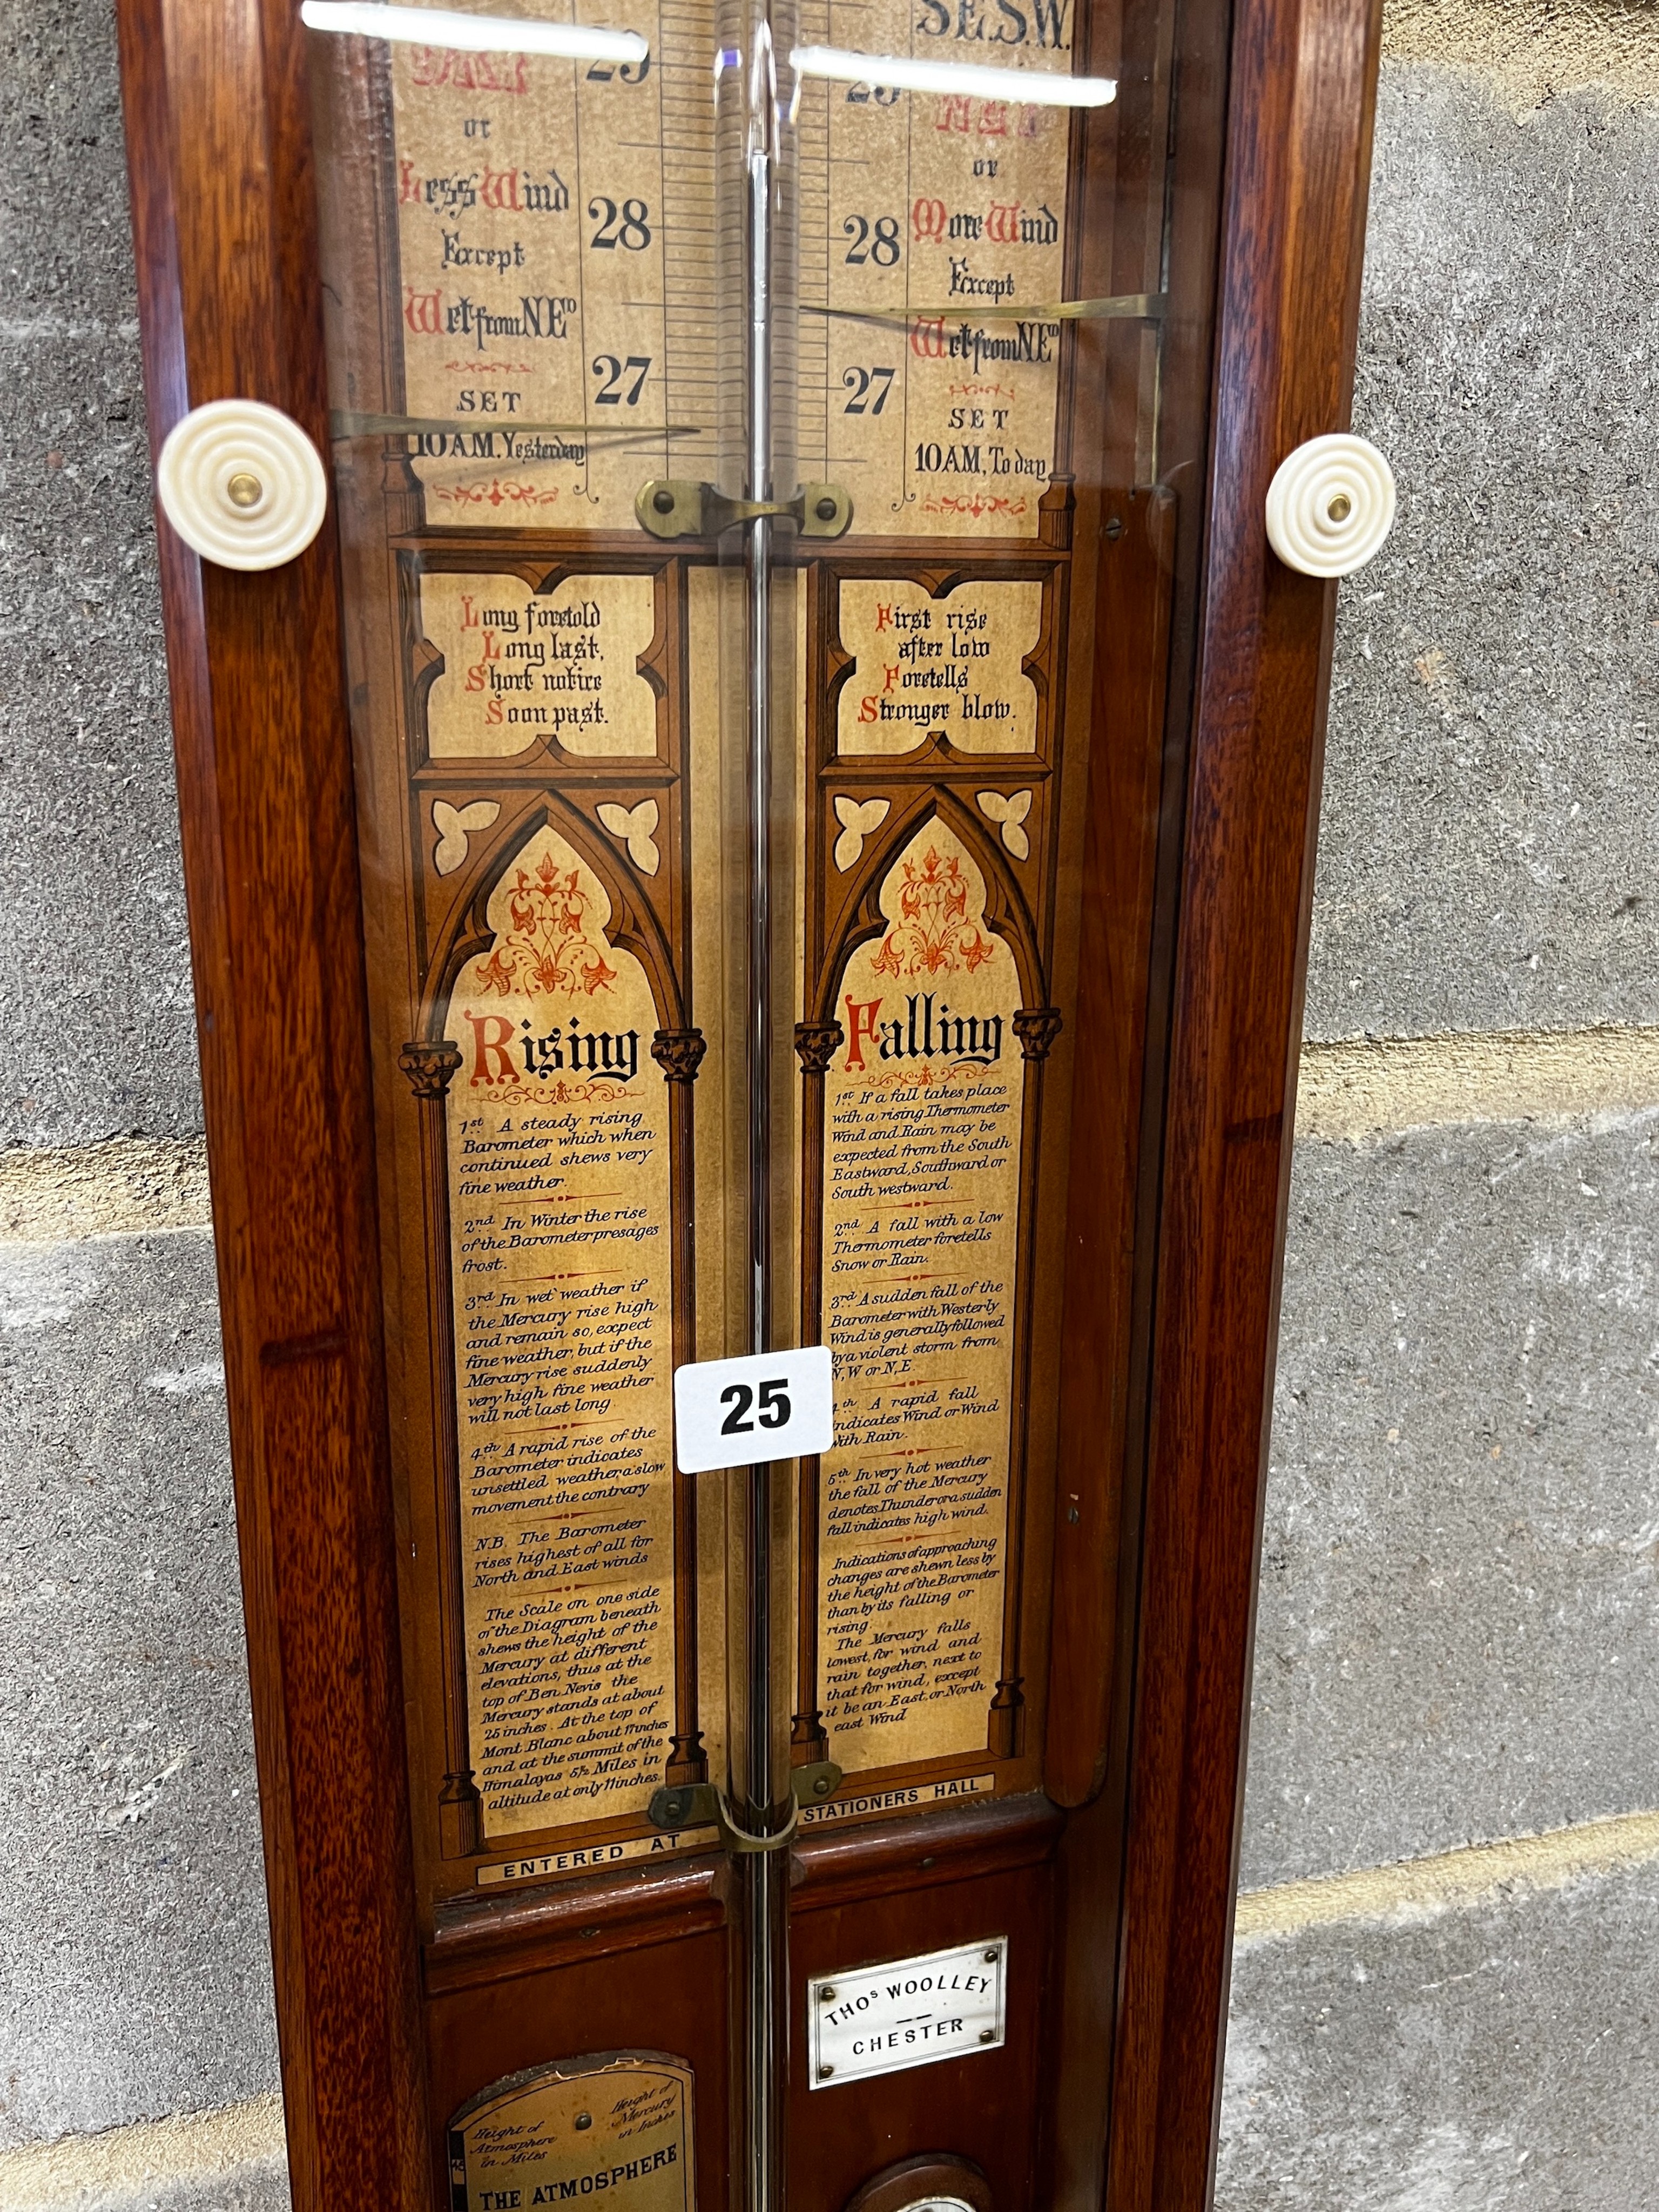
point(879, 2019)
point(737, 1413)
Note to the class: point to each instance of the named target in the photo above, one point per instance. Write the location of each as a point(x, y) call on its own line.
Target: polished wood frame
point(1159, 1568)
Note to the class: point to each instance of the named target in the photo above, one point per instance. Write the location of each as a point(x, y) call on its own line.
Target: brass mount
point(680, 507)
point(702, 1804)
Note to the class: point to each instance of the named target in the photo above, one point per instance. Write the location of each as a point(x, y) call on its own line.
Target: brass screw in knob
point(663, 500)
point(826, 510)
point(1330, 505)
point(242, 484)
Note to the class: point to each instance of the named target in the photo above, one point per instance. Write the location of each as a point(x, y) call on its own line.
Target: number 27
point(612, 371)
point(859, 382)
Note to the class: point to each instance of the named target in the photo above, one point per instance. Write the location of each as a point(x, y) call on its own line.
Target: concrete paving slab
point(230, 2159)
point(1493, 2057)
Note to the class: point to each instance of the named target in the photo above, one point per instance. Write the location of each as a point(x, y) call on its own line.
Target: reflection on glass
point(732, 413)
point(446, 28)
point(907, 73)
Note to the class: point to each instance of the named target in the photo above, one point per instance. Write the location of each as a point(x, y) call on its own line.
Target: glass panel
point(759, 439)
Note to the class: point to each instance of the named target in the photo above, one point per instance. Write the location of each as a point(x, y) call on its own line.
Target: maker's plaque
point(910, 2012)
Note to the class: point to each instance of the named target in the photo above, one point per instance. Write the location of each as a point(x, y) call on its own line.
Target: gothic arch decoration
point(633, 924)
point(554, 928)
point(560, 1147)
point(1007, 911)
point(553, 950)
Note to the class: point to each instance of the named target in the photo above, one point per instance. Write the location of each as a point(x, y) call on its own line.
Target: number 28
point(878, 243)
point(628, 226)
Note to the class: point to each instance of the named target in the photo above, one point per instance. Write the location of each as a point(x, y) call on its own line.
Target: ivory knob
point(1330, 505)
point(242, 484)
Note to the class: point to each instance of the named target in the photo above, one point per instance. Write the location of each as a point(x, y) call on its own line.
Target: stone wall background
point(1444, 1988)
point(1456, 1644)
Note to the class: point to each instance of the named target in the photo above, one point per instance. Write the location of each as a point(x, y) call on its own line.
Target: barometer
point(725, 967)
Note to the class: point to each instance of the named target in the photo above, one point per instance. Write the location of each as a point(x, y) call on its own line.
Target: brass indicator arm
point(1117, 306)
point(346, 424)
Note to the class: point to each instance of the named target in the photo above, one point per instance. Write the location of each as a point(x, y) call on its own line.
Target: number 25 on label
point(736, 1413)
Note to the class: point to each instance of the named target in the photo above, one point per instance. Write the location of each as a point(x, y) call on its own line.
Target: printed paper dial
point(557, 224)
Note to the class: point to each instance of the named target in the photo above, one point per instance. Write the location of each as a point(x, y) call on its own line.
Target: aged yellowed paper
point(559, 1190)
point(921, 1207)
point(617, 2126)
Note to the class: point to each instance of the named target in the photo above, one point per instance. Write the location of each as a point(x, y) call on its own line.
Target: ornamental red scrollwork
point(932, 935)
point(547, 947)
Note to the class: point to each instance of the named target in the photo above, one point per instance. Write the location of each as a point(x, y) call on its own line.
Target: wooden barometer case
point(748, 891)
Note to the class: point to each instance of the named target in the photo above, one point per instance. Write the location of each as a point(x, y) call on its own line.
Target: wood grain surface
point(1300, 105)
point(224, 221)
